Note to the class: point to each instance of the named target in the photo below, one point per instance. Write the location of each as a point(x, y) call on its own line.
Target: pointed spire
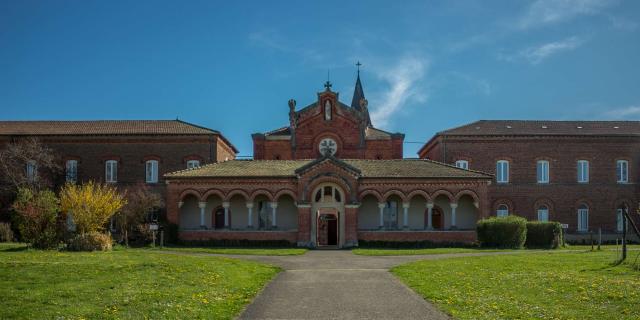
point(359, 102)
point(358, 93)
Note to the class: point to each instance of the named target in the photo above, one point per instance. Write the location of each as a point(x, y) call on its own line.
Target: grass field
point(547, 285)
point(124, 284)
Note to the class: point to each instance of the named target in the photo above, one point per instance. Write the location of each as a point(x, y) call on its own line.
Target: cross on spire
point(327, 85)
point(358, 64)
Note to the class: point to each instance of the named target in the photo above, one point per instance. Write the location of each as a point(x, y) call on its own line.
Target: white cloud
point(403, 79)
point(546, 12)
point(539, 53)
point(626, 113)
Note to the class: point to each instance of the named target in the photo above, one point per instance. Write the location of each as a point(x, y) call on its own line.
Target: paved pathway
point(337, 284)
point(340, 285)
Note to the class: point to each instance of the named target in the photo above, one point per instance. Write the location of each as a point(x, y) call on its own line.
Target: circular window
point(327, 146)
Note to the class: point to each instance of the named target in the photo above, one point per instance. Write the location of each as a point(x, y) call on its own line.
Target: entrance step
point(328, 248)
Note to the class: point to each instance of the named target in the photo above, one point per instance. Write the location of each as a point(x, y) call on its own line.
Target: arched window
point(327, 110)
point(542, 171)
point(152, 171)
point(583, 218)
point(193, 164)
point(502, 171)
point(462, 164)
point(503, 210)
point(328, 194)
point(543, 213)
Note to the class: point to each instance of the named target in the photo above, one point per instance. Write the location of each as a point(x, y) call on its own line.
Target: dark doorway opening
point(327, 230)
point(218, 218)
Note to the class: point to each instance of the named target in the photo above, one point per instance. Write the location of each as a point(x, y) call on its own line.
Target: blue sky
point(232, 66)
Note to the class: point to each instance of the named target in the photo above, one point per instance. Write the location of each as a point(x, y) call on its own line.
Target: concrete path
point(340, 285)
point(337, 284)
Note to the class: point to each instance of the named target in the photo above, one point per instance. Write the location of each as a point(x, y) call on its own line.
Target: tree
point(140, 202)
point(27, 164)
point(91, 204)
point(37, 214)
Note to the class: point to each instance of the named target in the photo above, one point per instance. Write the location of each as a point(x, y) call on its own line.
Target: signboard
point(564, 226)
point(153, 227)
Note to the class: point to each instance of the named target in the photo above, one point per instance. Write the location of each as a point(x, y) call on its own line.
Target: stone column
point(381, 207)
point(274, 207)
point(429, 215)
point(454, 206)
point(249, 214)
point(202, 205)
point(405, 214)
point(226, 205)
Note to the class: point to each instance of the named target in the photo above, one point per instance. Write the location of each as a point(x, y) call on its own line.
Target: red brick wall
point(290, 236)
point(563, 194)
point(434, 236)
point(344, 128)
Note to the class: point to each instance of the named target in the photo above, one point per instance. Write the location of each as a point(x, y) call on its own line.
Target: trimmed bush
point(6, 234)
point(502, 232)
point(547, 235)
point(91, 241)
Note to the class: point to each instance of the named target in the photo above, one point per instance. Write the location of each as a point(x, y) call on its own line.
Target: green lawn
point(409, 252)
point(242, 251)
point(124, 284)
point(547, 285)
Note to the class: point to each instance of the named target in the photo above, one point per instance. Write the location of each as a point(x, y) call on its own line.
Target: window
point(583, 171)
point(619, 217)
point(583, 218)
point(503, 210)
point(543, 171)
point(193, 164)
point(543, 213)
point(152, 171)
point(71, 171)
point(111, 171)
point(462, 164)
point(502, 171)
point(328, 194)
point(32, 171)
point(622, 171)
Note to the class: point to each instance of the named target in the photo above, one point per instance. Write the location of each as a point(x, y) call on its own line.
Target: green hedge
point(547, 235)
point(502, 232)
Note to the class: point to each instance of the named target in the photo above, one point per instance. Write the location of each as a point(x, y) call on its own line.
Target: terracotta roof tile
point(102, 127)
point(401, 168)
point(544, 127)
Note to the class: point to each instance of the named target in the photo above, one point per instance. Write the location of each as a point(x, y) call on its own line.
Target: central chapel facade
point(328, 178)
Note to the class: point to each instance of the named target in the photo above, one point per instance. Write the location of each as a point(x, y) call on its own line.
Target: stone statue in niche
point(327, 110)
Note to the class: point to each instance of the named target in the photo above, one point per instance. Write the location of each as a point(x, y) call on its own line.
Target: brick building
point(581, 173)
point(122, 152)
point(328, 178)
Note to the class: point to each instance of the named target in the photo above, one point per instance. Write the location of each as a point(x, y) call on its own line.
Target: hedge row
point(546, 235)
point(410, 244)
point(515, 232)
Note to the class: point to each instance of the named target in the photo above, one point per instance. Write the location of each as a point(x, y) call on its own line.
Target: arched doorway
point(327, 224)
point(437, 219)
point(217, 217)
